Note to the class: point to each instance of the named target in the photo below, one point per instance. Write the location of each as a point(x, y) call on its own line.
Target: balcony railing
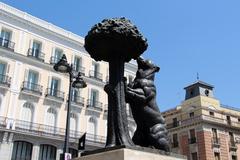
point(95, 74)
point(35, 53)
point(7, 43)
point(78, 100)
point(32, 87)
point(47, 130)
point(216, 142)
point(232, 145)
point(79, 69)
point(55, 93)
point(192, 140)
point(173, 125)
point(175, 144)
point(5, 80)
point(54, 60)
point(94, 105)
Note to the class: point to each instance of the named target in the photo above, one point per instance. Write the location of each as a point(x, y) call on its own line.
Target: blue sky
point(184, 36)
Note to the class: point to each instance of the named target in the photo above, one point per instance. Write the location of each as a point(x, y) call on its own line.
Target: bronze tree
point(116, 41)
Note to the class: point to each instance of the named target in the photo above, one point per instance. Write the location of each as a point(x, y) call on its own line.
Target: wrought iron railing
point(7, 43)
point(94, 105)
point(95, 74)
point(55, 93)
point(5, 80)
point(78, 100)
point(47, 130)
point(28, 86)
point(79, 69)
point(173, 125)
point(216, 142)
point(36, 53)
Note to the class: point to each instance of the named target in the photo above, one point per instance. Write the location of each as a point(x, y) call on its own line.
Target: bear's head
point(148, 69)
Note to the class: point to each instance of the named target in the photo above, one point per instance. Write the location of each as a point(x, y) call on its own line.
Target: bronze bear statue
point(141, 95)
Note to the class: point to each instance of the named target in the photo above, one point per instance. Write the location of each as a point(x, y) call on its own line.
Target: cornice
point(40, 24)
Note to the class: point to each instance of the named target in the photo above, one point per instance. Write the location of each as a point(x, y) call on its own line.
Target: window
point(78, 64)
point(231, 138)
point(50, 120)
point(5, 38)
point(175, 140)
point(211, 113)
point(27, 112)
point(57, 56)
point(22, 150)
point(238, 119)
point(192, 136)
point(194, 156)
point(47, 152)
point(94, 97)
point(215, 136)
point(175, 122)
point(191, 114)
point(92, 128)
point(75, 95)
point(55, 83)
point(73, 124)
point(95, 68)
point(228, 119)
point(32, 80)
point(216, 156)
point(234, 157)
point(3, 67)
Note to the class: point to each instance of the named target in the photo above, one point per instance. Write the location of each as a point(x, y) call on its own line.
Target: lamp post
point(75, 81)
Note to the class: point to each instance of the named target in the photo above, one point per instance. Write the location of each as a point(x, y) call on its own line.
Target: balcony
point(79, 69)
point(7, 44)
point(192, 140)
point(5, 81)
point(32, 88)
point(56, 94)
point(54, 60)
point(95, 75)
point(216, 142)
point(37, 54)
point(173, 125)
point(95, 105)
point(41, 130)
point(77, 100)
point(232, 145)
point(175, 144)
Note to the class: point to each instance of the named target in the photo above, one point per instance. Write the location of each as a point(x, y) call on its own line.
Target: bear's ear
point(157, 68)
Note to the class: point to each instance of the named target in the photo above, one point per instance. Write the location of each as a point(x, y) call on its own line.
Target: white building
point(33, 97)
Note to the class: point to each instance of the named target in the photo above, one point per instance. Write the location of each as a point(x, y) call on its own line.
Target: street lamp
point(75, 81)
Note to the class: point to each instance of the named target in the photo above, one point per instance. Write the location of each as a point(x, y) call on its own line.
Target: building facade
point(33, 97)
point(203, 129)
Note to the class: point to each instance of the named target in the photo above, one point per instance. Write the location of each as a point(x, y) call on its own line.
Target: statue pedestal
point(129, 153)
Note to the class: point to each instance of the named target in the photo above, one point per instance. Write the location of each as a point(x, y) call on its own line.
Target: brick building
point(202, 128)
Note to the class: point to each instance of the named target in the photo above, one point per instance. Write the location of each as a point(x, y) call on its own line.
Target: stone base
point(129, 153)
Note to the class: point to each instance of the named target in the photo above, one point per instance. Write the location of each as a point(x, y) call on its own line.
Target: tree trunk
point(117, 131)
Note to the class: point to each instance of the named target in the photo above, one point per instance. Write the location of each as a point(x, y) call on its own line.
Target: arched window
point(27, 112)
point(92, 128)
point(73, 124)
point(47, 152)
point(50, 121)
point(22, 150)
